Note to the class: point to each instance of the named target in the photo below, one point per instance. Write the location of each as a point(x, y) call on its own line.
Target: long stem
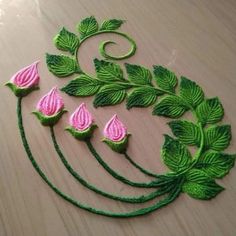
point(153, 184)
point(146, 172)
point(142, 211)
point(131, 199)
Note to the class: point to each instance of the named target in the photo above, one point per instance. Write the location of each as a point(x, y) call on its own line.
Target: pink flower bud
point(115, 130)
point(81, 119)
point(27, 77)
point(51, 103)
point(81, 124)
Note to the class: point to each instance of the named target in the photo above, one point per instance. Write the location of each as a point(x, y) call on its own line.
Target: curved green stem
point(153, 184)
point(131, 199)
point(146, 172)
point(102, 46)
point(142, 211)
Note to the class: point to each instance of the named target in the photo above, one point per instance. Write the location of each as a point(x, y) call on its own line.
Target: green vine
point(110, 88)
point(173, 194)
point(194, 174)
point(132, 199)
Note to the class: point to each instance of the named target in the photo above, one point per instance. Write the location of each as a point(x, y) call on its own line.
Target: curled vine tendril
point(104, 44)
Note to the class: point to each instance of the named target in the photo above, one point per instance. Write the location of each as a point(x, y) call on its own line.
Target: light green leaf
point(198, 185)
point(210, 111)
point(87, 27)
point(215, 164)
point(165, 78)
point(108, 71)
point(82, 86)
point(218, 137)
point(138, 74)
point(170, 106)
point(175, 155)
point(186, 131)
point(142, 97)
point(191, 92)
point(66, 41)
point(61, 65)
point(112, 24)
point(110, 95)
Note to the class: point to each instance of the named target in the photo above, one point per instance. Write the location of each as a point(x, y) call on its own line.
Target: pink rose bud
point(81, 119)
point(51, 103)
point(81, 123)
point(25, 80)
point(50, 108)
point(116, 135)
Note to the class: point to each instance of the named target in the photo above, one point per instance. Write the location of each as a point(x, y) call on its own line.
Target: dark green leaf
point(175, 155)
point(191, 92)
point(218, 137)
point(110, 95)
point(142, 97)
point(138, 74)
point(82, 86)
point(61, 65)
point(215, 164)
point(199, 185)
point(165, 78)
point(210, 111)
point(87, 27)
point(186, 131)
point(170, 106)
point(66, 41)
point(112, 24)
point(108, 71)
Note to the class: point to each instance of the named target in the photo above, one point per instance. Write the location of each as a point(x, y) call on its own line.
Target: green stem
point(131, 199)
point(103, 45)
point(201, 148)
point(140, 167)
point(153, 184)
point(142, 211)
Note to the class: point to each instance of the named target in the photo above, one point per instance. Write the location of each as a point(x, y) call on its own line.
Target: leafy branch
point(144, 88)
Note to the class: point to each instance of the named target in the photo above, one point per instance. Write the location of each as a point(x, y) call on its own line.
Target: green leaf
point(175, 155)
point(142, 97)
point(218, 137)
point(111, 94)
point(191, 92)
point(87, 27)
point(198, 185)
point(186, 131)
point(61, 65)
point(138, 74)
point(165, 78)
point(112, 24)
point(82, 86)
point(108, 71)
point(170, 106)
point(66, 41)
point(210, 111)
point(215, 164)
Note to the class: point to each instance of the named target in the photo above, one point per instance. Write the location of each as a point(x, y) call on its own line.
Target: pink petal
point(26, 77)
point(115, 129)
point(81, 119)
point(51, 103)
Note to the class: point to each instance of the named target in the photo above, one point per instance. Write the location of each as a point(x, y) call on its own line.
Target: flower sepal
point(118, 146)
point(49, 120)
point(21, 92)
point(82, 135)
